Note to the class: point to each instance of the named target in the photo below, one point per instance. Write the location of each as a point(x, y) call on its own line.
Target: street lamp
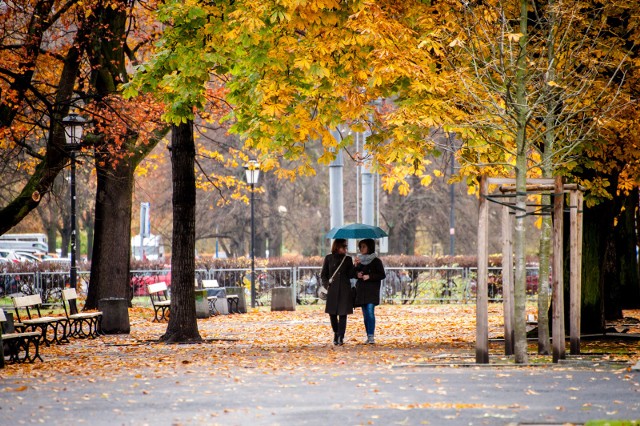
point(73, 125)
point(252, 170)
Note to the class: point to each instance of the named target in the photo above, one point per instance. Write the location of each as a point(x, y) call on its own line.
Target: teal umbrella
point(356, 231)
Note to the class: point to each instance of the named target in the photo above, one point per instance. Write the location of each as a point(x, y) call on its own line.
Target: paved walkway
point(267, 368)
point(404, 395)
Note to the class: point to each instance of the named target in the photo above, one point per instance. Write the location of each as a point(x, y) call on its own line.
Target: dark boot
point(340, 340)
point(336, 339)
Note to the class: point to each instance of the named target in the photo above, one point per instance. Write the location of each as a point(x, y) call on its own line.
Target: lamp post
point(283, 211)
point(73, 125)
point(252, 171)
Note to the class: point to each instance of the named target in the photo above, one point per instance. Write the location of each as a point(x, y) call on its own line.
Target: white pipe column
point(336, 198)
point(368, 190)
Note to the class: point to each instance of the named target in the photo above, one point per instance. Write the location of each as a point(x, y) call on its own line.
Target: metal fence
point(403, 285)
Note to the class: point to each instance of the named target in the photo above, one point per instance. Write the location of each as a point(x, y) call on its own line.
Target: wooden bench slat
point(157, 287)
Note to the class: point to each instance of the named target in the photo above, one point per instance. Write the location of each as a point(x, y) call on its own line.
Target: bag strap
point(337, 269)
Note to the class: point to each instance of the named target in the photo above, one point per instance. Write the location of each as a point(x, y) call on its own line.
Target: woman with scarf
point(337, 271)
point(370, 273)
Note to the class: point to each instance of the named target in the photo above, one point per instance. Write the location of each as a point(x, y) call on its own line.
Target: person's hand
point(360, 275)
point(365, 277)
point(356, 261)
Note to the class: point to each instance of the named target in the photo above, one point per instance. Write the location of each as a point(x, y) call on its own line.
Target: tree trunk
point(610, 280)
point(402, 222)
point(550, 120)
point(111, 245)
point(65, 233)
point(51, 226)
point(522, 148)
point(183, 326)
point(627, 295)
point(89, 225)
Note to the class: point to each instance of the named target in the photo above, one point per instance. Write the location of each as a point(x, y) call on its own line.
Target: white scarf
point(366, 259)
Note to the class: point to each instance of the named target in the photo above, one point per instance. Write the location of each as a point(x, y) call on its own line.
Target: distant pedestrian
point(370, 273)
point(337, 271)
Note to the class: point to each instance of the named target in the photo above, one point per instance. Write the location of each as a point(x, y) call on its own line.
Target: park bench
point(159, 300)
point(213, 310)
point(17, 342)
point(45, 324)
point(78, 320)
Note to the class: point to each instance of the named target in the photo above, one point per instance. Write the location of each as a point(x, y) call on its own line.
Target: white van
point(25, 242)
point(152, 248)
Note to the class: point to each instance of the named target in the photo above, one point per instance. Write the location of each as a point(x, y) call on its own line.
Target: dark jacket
point(339, 300)
point(369, 291)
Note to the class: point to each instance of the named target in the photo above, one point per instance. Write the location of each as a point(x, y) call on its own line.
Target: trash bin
point(115, 315)
point(282, 299)
point(202, 305)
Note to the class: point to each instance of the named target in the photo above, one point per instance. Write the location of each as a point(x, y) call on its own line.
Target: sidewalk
point(281, 369)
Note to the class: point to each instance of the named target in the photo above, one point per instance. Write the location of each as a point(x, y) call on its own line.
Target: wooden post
point(575, 284)
point(482, 302)
point(558, 333)
point(507, 279)
point(574, 301)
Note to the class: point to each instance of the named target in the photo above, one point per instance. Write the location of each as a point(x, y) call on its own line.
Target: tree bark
point(183, 326)
point(551, 121)
point(522, 147)
point(610, 280)
point(111, 245)
point(402, 221)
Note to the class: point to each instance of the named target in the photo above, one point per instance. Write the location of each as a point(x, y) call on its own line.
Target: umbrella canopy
point(356, 231)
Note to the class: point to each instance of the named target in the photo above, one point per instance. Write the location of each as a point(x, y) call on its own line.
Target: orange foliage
point(280, 341)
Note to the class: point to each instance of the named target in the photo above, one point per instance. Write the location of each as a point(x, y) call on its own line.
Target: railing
point(403, 285)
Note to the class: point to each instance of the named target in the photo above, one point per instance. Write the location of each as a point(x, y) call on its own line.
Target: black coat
point(369, 291)
point(339, 300)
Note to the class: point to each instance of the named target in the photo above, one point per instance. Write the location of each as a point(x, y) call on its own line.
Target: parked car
point(9, 255)
point(27, 257)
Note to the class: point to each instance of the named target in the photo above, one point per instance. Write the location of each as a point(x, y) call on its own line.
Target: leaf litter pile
point(267, 341)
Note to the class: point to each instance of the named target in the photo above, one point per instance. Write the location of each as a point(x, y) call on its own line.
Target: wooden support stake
point(558, 332)
point(575, 284)
point(574, 302)
point(507, 280)
point(482, 302)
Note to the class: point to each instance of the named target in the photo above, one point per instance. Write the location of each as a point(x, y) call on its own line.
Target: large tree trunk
point(183, 326)
point(88, 221)
point(111, 246)
point(627, 295)
point(610, 280)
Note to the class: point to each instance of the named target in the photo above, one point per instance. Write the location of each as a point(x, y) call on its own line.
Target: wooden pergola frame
point(534, 186)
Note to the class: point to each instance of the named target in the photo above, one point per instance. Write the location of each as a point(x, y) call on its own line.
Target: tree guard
point(507, 191)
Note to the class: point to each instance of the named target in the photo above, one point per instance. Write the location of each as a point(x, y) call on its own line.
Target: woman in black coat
point(370, 273)
point(337, 270)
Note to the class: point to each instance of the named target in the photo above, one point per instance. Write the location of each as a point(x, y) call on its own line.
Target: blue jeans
point(369, 318)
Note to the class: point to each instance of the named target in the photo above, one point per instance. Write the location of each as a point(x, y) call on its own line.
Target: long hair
point(337, 244)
